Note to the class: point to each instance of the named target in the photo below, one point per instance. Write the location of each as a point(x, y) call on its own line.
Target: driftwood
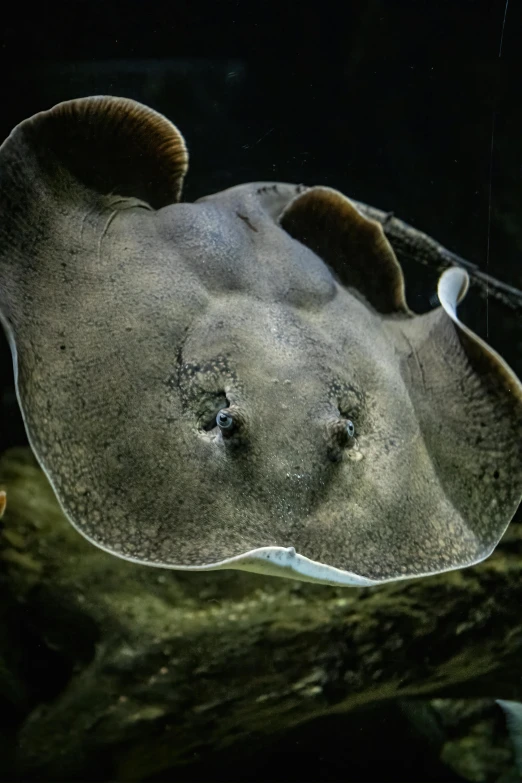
point(113, 671)
point(159, 666)
point(413, 245)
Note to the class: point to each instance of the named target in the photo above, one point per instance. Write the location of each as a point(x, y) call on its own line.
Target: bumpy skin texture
point(133, 321)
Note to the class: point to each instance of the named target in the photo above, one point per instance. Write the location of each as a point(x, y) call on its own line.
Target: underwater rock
point(477, 744)
point(131, 671)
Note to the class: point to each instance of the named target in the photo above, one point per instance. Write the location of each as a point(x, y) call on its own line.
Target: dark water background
point(413, 107)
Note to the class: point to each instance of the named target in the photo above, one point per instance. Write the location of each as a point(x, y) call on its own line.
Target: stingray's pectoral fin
point(59, 166)
point(354, 246)
point(106, 144)
point(469, 408)
point(467, 401)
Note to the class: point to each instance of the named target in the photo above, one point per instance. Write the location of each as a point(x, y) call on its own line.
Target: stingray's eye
point(224, 420)
point(340, 436)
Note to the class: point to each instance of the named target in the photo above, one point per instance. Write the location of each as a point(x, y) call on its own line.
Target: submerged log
point(134, 670)
point(413, 245)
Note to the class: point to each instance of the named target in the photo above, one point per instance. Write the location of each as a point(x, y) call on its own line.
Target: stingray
point(239, 382)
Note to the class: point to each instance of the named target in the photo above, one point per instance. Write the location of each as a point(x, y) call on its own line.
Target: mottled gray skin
point(133, 326)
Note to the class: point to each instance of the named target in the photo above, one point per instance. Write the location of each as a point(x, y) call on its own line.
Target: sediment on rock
point(128, 671)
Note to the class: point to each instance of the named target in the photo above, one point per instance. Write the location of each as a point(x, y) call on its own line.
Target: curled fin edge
point(452, 288)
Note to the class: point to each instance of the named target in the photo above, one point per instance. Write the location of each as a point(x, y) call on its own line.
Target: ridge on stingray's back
point(239, 382)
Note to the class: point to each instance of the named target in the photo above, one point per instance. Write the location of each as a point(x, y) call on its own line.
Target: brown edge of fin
point(111, 145)
point(354, 246)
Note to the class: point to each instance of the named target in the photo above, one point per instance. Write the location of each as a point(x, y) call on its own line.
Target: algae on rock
point(131, 670)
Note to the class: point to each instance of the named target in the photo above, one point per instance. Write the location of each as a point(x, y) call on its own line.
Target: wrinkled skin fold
point(365, 443)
